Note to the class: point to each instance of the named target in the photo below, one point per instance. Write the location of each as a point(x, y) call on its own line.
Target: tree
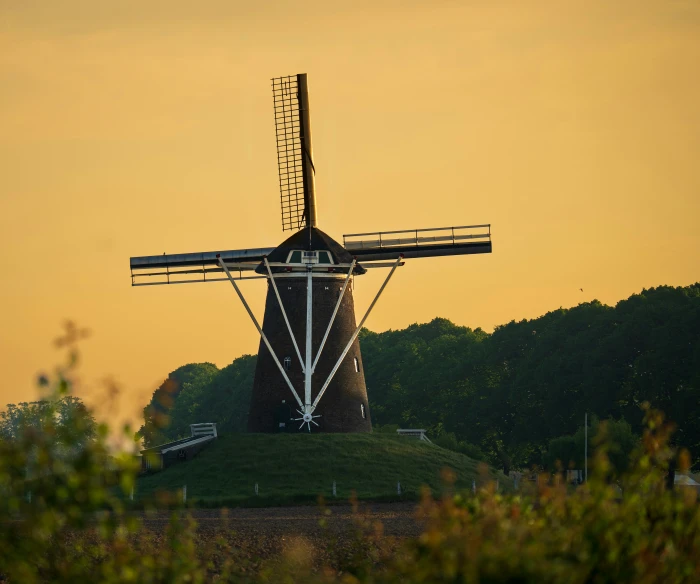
point(615, 436)
point(67, 414)
point(186, 382)
point(199, 392)
point(226, 397)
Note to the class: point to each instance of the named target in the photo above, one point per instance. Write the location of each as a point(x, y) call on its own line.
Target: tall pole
point(585, 446)
point(308, 369)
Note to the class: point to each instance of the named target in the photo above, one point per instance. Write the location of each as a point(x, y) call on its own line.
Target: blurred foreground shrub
point(63, 519)
point(629, 531)
point(626, 529)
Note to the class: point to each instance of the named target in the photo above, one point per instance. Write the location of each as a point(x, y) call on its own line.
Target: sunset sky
point(136, 128)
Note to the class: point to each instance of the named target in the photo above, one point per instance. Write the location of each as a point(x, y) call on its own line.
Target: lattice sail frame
point(290, 155)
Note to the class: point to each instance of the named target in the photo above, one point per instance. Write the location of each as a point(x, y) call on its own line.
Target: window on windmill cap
point(311, 256)
point(304, 256)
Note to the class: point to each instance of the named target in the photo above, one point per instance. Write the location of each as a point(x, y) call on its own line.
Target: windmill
point(309, 353)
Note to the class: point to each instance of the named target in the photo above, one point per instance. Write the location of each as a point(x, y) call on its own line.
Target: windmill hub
point(309, 344)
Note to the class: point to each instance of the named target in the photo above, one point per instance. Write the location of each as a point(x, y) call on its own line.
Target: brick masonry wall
point(342, 404)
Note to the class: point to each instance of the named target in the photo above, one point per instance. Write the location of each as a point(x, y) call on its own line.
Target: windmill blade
point(294, 151)
point(419, 243)
point(187, 268)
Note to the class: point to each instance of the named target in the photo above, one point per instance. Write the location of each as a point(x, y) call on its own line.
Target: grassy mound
point(297, 467)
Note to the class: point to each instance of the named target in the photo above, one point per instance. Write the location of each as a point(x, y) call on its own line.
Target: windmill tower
point(309, 370)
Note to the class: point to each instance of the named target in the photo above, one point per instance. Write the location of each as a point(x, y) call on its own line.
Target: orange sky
point(134, 128)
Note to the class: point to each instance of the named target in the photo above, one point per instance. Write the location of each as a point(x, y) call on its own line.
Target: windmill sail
point(186, 268)
point(294, 151)
point(419, 243)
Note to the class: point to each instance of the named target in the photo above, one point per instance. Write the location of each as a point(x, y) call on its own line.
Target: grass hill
point(298, 467)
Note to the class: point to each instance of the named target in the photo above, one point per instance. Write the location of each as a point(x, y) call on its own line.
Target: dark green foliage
point(414, 376)
point(564, 452)
point(385, 429)
point(187, 382)
point(66, 414)
point(449, 440)
point(226, 398)
point(510, 393)
point(199, 392)
point(617, 435)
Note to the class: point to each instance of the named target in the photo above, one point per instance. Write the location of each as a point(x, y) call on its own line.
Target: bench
point(414, 433)
point(206, 429)
point(163, 455)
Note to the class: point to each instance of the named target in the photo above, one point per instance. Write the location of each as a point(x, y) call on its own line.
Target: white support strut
point(309, 370)
point(262, 334)
point(335, 311)
point(354, 335)
point(284, 314)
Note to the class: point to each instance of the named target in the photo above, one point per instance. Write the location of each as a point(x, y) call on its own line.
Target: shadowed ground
point(291, 468)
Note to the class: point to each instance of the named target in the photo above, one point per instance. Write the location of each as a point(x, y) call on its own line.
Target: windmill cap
point(311, 239)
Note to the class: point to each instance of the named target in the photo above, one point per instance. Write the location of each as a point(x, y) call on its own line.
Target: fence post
point(474, 486)
point(398, 488)
point(184, 494)
point(131, 496)
point(334, 493)
point(256, 489)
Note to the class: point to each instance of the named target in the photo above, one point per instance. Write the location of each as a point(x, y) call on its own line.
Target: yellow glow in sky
point(136, 128)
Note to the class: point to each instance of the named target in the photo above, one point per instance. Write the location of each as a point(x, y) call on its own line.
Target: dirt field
point(273, 532)
point(398, 519)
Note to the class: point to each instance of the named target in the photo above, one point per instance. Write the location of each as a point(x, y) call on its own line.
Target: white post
point(334, 493)
point(29, 497)
point(308, 367)
point(131, 496)
point(398, 488)
point(256, 489)
point(474, 486)
point(585, 447)
point(184, 494)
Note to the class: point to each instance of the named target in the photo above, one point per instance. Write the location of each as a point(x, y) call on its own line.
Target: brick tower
point(344, 407)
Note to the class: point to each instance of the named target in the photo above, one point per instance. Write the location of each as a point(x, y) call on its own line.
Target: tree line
point(507, 394)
